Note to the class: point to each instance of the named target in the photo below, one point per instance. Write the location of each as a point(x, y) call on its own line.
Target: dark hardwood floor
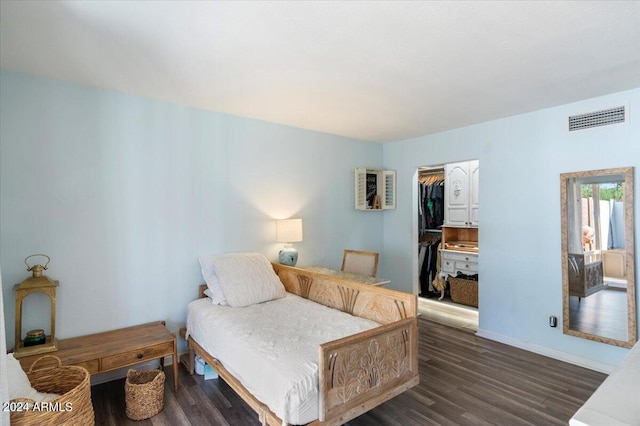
point(464, 380)
point(603, 313)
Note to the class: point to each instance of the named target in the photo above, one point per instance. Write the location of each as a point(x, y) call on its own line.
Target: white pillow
point(210, 296)
point(208, 293)
point(209, 275)
point(247, 279)
point(19, 384)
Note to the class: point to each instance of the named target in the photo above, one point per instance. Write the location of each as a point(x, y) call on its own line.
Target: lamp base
point(288, 256)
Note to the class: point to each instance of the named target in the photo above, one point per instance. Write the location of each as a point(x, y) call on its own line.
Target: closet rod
point(431, 172)
point(431, 177)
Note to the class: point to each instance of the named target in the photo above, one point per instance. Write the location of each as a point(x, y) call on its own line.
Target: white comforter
point(272, 348)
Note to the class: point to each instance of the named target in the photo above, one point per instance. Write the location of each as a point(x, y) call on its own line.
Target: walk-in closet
point(448, 224)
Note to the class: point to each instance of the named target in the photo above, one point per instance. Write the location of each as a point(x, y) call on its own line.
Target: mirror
point(598, 258)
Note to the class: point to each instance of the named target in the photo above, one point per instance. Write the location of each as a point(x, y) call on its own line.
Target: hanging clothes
point(430, 202)
point(439, 282)
point(430, 220)
point(428, 256)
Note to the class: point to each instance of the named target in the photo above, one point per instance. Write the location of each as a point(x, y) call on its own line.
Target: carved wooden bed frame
point(357, 372)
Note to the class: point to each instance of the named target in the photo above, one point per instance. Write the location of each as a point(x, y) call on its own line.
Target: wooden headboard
point(376, 303)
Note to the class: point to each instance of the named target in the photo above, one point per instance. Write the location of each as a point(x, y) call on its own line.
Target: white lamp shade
point(289, 230)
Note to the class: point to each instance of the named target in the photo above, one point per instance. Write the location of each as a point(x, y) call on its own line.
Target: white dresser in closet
point(454, 261)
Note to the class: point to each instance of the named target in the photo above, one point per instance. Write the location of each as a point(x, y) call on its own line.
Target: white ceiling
point(379, 71)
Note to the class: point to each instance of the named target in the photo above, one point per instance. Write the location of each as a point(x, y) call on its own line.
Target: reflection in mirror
point(598, 259)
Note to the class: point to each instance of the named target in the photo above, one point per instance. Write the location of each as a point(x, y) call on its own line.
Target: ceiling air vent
point(597, 118)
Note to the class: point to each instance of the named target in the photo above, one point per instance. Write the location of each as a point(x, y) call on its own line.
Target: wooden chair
point(360, 262)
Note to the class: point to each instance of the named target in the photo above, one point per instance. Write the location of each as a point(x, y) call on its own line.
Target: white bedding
point(272, 348)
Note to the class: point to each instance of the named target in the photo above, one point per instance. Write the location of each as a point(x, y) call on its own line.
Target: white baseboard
point(551, 353)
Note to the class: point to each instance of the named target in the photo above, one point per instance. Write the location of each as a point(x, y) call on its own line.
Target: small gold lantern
point(37, 283)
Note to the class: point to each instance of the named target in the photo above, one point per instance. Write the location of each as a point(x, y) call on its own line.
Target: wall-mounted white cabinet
point(375, 189)
point(461, 198)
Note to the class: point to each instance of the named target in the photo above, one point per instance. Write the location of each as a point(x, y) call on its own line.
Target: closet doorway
point(446, 228)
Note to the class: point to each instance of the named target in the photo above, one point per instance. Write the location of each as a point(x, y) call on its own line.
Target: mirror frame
point(629, 230)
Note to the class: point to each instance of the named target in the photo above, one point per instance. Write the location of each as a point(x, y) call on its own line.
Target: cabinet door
point(361, 188)
point(474, 196)
point(389, 193)
point(456, 196)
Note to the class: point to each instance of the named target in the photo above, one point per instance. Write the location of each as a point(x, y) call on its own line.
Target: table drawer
point(136, 356)
point(93, 365)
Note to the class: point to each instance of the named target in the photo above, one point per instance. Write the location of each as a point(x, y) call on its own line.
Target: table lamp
point(288, 231)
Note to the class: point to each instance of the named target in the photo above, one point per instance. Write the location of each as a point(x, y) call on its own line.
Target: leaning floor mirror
point(598, 257)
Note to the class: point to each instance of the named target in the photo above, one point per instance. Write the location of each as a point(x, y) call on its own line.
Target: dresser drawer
point(447, 266)
point(472, 267)
point(459, 256)
point(136, 356)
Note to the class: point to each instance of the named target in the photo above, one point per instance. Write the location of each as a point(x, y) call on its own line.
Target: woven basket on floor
point(464, 291)
point(72, 407)
point(144, 393)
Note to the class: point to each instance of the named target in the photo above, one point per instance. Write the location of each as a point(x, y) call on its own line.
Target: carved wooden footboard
point(358, 372)
point(361, 371)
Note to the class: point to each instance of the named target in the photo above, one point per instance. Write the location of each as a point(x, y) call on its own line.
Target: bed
point(322, 353)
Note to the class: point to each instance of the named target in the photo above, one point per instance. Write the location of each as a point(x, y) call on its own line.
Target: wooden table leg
point(192, 360)
point(175, 363)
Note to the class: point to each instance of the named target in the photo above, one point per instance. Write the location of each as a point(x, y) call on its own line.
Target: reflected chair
point(360, 262)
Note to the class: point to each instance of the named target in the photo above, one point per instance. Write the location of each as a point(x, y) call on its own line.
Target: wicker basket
point(73, 407)
point(144, 393)
point(464, 291)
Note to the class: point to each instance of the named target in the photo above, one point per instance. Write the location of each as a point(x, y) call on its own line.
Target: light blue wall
point(521, 158)
point(124, 193)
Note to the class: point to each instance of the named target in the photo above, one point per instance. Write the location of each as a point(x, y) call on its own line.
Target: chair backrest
point(360, 262)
